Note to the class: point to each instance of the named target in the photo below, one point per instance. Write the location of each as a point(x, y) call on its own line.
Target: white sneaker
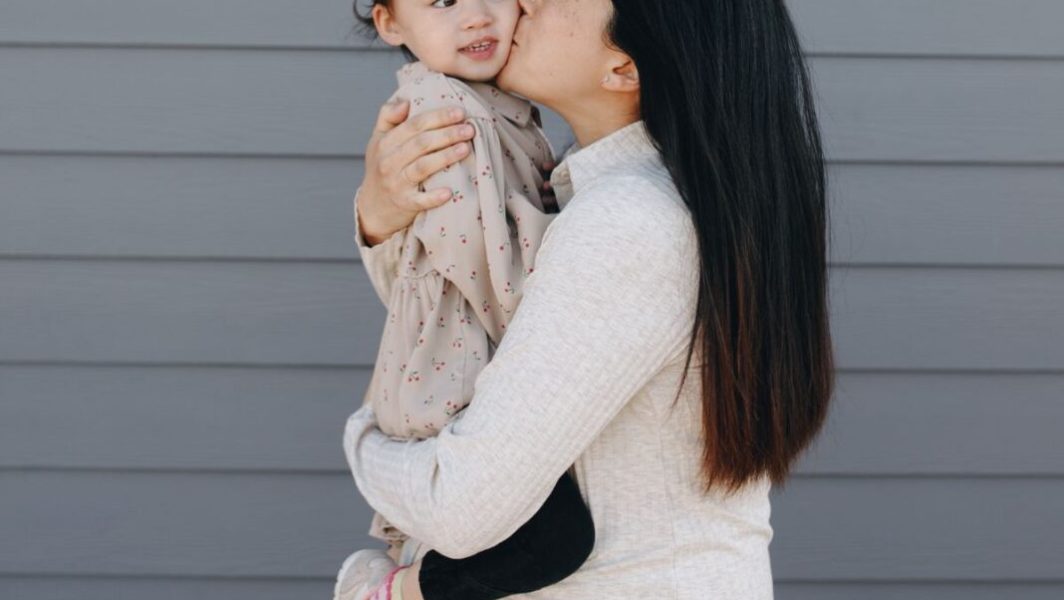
point(361, 573)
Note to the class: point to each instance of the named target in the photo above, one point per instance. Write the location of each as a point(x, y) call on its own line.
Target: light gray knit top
point(585, 376)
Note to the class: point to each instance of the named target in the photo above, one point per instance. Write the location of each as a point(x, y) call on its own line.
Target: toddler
point(461, 273)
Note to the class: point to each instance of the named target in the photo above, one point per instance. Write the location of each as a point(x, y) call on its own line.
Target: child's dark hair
point(366, 27)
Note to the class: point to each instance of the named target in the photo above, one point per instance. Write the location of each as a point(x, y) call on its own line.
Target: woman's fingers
point(430, 199)
point(427, 143)
point(427, 121)
point(422, 168)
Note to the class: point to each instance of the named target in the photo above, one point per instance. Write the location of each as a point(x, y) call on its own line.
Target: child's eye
point(445, 3)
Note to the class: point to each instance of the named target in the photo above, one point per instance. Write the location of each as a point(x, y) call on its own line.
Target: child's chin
point(485, 72)
point(481, 78)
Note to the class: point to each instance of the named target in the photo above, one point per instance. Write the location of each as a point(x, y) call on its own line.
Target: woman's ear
point(386, 25)
point(622, 76)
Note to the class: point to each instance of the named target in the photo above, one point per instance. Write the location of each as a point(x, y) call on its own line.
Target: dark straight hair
point(726, 97)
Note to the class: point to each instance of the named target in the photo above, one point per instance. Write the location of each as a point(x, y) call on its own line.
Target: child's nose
point(477, 14)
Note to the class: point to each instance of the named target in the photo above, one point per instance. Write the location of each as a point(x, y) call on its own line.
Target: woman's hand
point(400, 155)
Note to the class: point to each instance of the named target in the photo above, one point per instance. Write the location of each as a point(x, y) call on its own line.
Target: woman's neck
point(592, 122)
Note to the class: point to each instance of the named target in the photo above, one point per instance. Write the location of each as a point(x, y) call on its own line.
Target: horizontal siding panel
point(195, 524)
point(940, 110)
point(177, 418)
point(947, 215)
point(159, 588)
point(179, 207)
point(940, 27)
point(899, 318)
point(328, 314)
point(243, 525)
point(292, 419)
point(919, 529)
point(295, 208)
point(197, 101)
point(236, 23)
point(941, 423)
point(202, 312)
point(949, 27)
point(254, 102)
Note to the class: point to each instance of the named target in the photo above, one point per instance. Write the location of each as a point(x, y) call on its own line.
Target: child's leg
point(361, 573)
point(546, 549)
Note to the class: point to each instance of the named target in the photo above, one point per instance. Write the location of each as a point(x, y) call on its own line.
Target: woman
point(692, 237)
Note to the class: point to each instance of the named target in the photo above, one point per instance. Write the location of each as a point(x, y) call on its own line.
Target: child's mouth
point(482, 50)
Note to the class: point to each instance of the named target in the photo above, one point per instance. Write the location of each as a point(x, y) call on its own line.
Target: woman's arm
point(610, 302)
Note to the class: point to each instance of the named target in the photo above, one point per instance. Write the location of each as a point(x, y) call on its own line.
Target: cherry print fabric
point(461, 265)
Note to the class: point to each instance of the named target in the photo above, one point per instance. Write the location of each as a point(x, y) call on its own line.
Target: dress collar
point(513, 108)
point(627, 146)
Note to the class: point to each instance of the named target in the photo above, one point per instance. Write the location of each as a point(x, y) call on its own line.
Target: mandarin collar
point(628, 146)
point(513, 108)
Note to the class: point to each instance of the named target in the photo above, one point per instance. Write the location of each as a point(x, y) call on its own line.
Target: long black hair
point(726, 96)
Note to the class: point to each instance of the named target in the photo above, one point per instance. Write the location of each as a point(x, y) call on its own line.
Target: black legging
point(546, 549)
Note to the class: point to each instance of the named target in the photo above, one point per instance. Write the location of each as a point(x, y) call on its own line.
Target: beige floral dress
point(462, 264)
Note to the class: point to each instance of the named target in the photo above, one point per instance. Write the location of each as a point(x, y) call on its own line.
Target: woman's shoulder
point(640, 211)
point(630, 229)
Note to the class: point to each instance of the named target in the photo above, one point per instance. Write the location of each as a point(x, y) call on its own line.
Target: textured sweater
point(585, 377)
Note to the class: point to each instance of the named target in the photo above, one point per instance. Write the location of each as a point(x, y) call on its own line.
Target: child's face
point(467, 39)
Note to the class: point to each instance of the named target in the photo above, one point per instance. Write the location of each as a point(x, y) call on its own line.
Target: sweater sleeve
point(610, 303)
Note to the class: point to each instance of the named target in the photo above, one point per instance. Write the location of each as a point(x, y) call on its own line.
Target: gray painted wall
point(184, 323)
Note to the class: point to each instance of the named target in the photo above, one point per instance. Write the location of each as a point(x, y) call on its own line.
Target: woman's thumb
point(399, 107)
point(391, 114)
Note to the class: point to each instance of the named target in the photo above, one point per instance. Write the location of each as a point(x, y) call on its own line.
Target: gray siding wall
point(184, 323)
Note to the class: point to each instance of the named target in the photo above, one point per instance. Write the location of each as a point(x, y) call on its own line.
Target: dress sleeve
point(467, 239)
point(381, 261)
point(611, 301)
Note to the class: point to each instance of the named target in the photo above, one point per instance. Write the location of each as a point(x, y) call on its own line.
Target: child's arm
point(483, 264)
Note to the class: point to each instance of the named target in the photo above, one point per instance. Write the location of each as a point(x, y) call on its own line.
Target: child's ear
point(387, 27)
